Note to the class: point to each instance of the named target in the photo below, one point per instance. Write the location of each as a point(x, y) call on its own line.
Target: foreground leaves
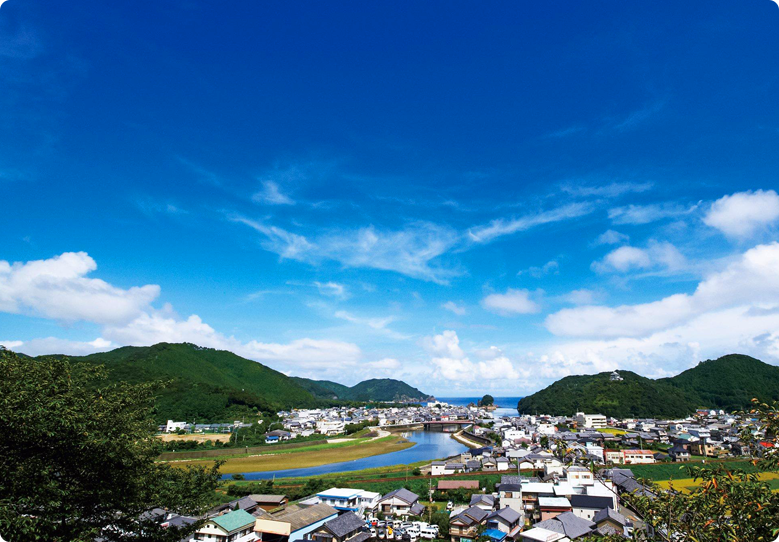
point(78, 457)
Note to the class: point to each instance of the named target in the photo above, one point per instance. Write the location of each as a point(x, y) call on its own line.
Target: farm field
point(659, 472)
point(309, 456)
point(686, 484)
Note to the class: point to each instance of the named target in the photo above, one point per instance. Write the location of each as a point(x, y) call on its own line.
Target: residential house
point(483, 501)
point(679, 453)
point(637, 457)
point(510, 493)
point(343, 499)
point(579, 476)
point(568, 525)
point(236, 526)
point(446, 485)
point(465, 525)
point(438, 468)
point(270, 502)
point(586, 506)
point(506, 520)
point(346, 527)
point(550, 507)
point(400, 502)
point(503, 463)
point(608, 518)
point(301, 519)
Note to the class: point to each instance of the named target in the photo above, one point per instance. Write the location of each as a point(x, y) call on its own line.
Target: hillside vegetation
point(384, 389)
point(208, 385)
point(727, 383)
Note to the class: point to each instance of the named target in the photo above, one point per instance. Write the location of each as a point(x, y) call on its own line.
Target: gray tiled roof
point(344, 524)
point(609, 513)
point(568, 524)
point(403, 494)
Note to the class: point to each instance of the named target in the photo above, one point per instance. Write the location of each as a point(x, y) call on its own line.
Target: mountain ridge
point(210, 385)
point(728, 383)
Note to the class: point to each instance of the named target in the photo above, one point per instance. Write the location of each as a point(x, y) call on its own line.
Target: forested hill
point(205, 384)
point(727, 383)
point(385, 389)
point(208, 385)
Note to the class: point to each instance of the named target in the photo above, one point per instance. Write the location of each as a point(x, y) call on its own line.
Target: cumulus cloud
point(743, 214)
point(386, 364)
point(644, 214)
point(582, 296)
point(271, 194)
point(511, 303)
point(452, 363)
point(59, 288)
point(627, 258)
point(752, 279)
point(451, 306)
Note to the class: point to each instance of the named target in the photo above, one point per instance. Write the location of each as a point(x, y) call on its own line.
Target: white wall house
point(591, 421)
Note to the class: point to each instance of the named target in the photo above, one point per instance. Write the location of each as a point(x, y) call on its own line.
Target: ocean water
point(507, 406)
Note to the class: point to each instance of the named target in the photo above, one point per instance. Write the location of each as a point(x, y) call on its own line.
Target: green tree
point(732, 506)
point(77, 458)
point(487, 400)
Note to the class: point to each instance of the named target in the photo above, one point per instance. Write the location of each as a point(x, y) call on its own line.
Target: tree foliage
point(727, 383)
point(77, 457)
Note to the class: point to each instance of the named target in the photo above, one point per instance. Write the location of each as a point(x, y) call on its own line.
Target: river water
point(429, 445)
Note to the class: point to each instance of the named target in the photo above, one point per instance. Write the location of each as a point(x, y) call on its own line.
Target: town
point(556, 478)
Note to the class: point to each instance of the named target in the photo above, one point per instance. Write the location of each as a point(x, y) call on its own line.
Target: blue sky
point(468, 197)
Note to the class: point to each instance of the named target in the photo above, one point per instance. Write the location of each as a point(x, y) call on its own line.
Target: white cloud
point(376, 324)
point(644, 214)
point(580, 297)
point(59, 288)
point(611, 190)
point(451, 363)
point(628, 258)
point(500, 227)
point(511, 303)
point(410, 251)
point(331, 288)
point(50, 345)
point(550, 267)
point(611, 237)
point(743, 214)
point(271, 194)
point(750, 280)
point(459, 310)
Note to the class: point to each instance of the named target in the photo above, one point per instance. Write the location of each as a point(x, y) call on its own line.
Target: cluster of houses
point(565, 503)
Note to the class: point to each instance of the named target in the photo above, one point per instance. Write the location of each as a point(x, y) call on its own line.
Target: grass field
point(665, 471)
point(612, 430)
point(309, 456)
point(686, 484)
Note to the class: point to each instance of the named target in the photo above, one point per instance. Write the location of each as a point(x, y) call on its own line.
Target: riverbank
point(309, 456)
point(462, 439)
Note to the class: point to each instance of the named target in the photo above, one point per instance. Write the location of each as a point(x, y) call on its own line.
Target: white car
point(428, 533)
point(449, 505)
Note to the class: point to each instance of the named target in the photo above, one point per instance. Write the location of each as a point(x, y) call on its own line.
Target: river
point(429, 445)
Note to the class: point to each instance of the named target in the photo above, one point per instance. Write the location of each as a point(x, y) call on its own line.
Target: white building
point(591, 421)
point(330, 427)
point(172, 426)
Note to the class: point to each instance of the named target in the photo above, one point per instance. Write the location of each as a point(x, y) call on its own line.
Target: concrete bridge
point(447, 426)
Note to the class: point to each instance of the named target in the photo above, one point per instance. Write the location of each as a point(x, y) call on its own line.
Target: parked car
point(449, 505)
point(428, 533)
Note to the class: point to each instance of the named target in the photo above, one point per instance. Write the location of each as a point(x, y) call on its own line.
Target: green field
point(308, 456)
point(666, 471)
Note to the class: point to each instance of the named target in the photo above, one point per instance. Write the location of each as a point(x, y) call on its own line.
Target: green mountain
point(207, 385)
point(384, 389)
point(727, 383)
point(204, 384)
point(324, 389)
